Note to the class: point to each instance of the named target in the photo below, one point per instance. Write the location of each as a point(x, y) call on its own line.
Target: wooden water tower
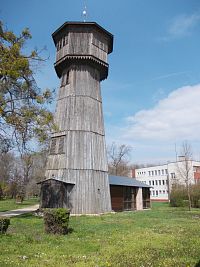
point(77, 171)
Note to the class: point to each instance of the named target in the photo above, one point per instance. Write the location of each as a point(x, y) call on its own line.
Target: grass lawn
point(162, 236)
point(9, 204)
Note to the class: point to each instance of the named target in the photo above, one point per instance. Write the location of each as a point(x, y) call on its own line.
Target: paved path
point(12, 213)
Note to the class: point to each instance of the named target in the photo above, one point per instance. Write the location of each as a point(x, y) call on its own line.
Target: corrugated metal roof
point(125, 181)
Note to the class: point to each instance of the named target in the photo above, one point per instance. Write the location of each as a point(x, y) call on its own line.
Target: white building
point(162, 177)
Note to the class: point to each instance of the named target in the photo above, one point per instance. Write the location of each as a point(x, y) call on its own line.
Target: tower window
point(61, 145)
point(53, 146)
point(65, 78)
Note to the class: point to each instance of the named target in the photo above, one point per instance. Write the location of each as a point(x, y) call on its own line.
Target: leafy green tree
point(23, 105)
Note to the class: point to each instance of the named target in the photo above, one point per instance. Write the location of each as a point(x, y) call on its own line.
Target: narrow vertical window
point(53, 146)
point(67, 77)
point(61, 145)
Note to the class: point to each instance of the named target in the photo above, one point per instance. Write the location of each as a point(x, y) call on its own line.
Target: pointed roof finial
point(84, 13)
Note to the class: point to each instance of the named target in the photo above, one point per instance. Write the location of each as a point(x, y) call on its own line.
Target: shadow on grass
point(4, 210)
point(197, 264)
point(70, 230)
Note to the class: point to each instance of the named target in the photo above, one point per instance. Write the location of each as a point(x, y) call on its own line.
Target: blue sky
point(152, 94)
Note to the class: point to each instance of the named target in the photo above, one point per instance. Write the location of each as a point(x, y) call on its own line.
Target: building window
point(162, 172)
point(155, 172)
point(163, 182)
point(149, 182)
point(149, 173)
point(159, 182)
point(158, 172)
point(156, 182)
point(163, 191)
point(65, 78)
point(156, 192)
point(53, 146)
point(65, 40)
point(160, 191)
point(173, 175)
point(153, 192)
point(62, 42)
point(153, 182)
point(166, 172)
point(152, 173)
point(61, 145)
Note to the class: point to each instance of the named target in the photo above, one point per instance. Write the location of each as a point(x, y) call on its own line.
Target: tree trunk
point(189, 197)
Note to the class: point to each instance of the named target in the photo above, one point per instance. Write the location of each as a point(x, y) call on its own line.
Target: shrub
point(195, 195)
point(4, 223)
point(178, 196)
point(56, 220)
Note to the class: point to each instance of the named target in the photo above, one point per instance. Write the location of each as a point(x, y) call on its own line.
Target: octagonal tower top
point(82, 42)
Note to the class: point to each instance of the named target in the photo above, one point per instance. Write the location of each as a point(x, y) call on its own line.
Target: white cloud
point(176, 117)
point(181, 26)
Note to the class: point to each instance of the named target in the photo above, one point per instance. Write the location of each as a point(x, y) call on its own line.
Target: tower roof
point(86, 25)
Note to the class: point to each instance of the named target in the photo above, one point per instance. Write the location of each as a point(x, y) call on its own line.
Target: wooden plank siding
point(77, 150)
point(123, 197)
point(82, 43)
point(117, 197)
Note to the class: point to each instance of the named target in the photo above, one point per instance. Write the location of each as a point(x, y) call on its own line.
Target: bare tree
point(36, 173)
point(6, 167)
point(118, 158)
point(185, 169)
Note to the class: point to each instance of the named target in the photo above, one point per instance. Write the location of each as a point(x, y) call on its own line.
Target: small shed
point(128, 194)
point(55, 193)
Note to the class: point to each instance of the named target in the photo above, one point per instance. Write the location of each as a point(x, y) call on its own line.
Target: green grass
point(10, 204)
point(163, 236)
